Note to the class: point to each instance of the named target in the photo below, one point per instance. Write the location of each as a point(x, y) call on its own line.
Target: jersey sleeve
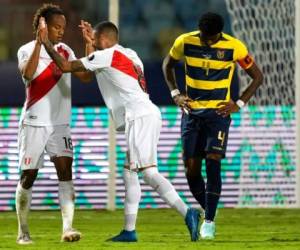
point(23, 56)
point(72, 56)
point(97, 60)
point(242, 56)
point(176, 51)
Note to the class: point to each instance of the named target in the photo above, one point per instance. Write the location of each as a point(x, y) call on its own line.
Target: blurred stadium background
point(260, 168)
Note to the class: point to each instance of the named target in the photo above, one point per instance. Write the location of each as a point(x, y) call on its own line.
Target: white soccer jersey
point(120, 77)
point(48, 94)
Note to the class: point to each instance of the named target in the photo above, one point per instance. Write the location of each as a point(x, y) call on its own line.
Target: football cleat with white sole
point(208, 230)
point(71, 235)
point(24, 239)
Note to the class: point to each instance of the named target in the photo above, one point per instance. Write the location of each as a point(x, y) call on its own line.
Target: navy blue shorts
point(203, 135)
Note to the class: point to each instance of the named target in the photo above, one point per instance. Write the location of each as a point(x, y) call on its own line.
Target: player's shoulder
point(233, 40)
point(64, 46)
point(27, 46)
point(188, 35)
point(126, 51)
point(130, 52)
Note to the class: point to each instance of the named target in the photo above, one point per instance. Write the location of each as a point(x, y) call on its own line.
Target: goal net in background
point(267, 126)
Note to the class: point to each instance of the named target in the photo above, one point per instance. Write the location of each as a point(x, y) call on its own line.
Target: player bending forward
point(119, 72)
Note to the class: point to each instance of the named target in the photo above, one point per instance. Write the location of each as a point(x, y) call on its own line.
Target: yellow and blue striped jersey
point(209, 69)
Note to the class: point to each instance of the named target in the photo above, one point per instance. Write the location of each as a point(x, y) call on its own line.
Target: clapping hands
point(42, 31)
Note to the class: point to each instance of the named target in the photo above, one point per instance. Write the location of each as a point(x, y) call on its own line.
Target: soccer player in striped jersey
point(210, 57)
point(44, 122)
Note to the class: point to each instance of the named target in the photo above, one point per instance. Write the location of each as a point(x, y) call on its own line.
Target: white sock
point(132, 198)
point(23, 201)
point(66, 196)
point(165, 189)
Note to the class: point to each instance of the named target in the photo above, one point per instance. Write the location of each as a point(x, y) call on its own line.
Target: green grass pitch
point(160, 229)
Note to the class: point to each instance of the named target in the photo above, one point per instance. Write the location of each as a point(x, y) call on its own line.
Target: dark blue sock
point(213, 188)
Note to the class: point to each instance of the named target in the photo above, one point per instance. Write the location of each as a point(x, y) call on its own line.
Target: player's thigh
point(31, 143)
point(59, 143)
point(217, 135)
point(142, 136)
point(193, 137)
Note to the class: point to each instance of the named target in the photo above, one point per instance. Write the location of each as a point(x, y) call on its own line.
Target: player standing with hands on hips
point(120, 77)
point(45, 118)
point(210, 57)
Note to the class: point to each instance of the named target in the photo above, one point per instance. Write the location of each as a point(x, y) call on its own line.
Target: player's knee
point(149, 174)
point(28, 177)
point(63, 167)
point(193, 167)
point(214, 156)
point(64, 175)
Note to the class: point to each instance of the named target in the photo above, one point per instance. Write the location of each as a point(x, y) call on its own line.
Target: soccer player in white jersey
point(119, 72)
point(44, 123)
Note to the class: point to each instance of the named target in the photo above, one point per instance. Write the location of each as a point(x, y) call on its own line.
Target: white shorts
point(142, 136)
point(34, 140)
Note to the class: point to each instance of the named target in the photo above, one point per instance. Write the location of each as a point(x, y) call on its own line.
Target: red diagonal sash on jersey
point(42, 84)
point(122, 63)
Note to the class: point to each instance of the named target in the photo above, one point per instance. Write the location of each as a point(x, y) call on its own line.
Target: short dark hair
point(211, 23)
point(46, 11)
point(106, 27)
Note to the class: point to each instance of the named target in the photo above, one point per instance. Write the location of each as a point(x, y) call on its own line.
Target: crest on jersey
point(27, 160)
point(220, 54)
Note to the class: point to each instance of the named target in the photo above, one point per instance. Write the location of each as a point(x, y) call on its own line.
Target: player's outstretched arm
point(62, 63)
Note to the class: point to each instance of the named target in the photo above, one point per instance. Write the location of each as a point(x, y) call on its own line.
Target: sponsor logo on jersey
point(33, 117)
point(207, 56)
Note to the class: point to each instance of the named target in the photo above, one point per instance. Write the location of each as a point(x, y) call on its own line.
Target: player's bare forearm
point(168, 68)
point(89, 48)
point(257, 78)
point(62, 63)
point(85, 77)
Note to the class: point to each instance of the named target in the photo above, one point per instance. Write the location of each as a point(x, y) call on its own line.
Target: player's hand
point(87, 32)
point(227, 108)
point(42, 32)
point(182, 101)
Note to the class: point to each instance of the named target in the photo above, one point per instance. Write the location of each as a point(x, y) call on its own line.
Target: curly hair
point(46, 11)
